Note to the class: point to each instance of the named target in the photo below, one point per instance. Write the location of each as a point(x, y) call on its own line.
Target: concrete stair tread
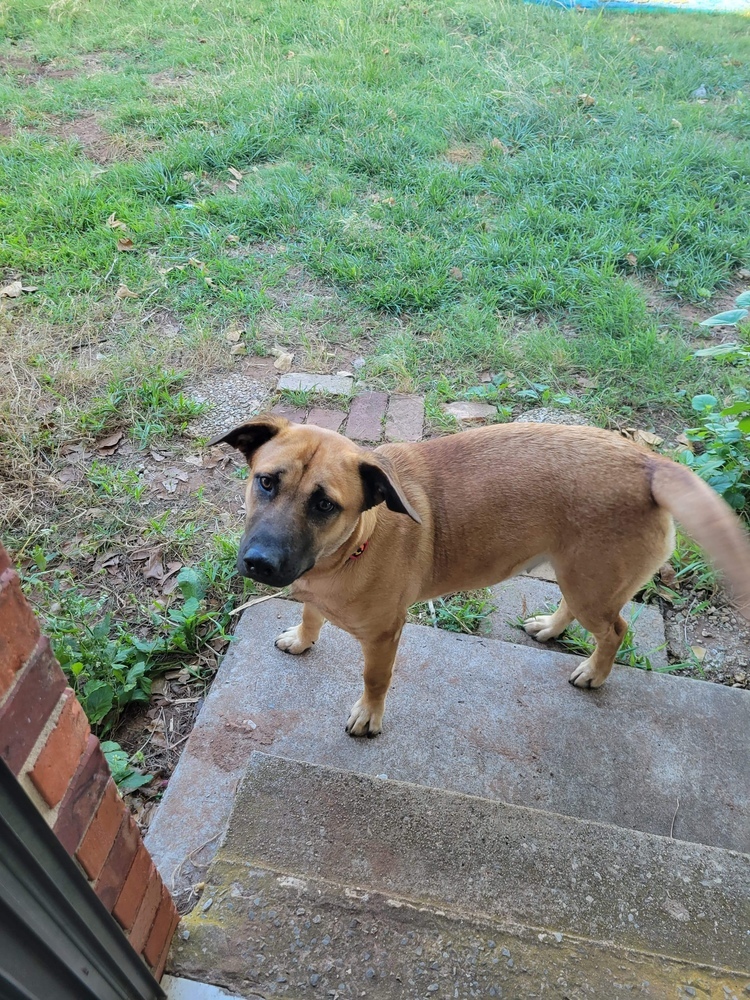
point(477, 716)
point(317, 861)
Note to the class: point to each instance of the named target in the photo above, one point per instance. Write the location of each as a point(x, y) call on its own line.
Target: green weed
point(145, 404)
point(464, 612)
point(109, 666)
point(721, 447)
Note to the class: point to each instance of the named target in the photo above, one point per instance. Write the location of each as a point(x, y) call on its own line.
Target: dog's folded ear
point(380, 484)
point(248, 437)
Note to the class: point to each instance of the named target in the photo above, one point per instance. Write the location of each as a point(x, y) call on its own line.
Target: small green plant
point(115, 482)
point(108, 665)
point(463, 612)
point(735, 352)
point(127, 776)
point(147, 405)
point(721, 447)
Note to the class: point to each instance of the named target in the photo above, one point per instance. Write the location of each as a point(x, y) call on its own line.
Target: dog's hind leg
point(544, 627)
point(300, 638)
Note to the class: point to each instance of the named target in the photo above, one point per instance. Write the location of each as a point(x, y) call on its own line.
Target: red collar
point(360, 551)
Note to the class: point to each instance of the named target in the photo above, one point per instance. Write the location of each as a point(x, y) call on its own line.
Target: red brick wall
point(46, 741)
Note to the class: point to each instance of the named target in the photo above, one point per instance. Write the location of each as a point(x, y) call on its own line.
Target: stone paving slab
point(523, 596)
point(405, 419)
point(335, 385)
point(646, 751)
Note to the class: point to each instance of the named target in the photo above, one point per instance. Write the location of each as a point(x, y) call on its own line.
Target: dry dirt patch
point(96, 143)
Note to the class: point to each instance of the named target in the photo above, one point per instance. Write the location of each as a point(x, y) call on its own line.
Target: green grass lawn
point(435, 164)
point(449, 190)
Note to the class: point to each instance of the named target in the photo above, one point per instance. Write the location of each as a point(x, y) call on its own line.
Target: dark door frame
point(57, 940)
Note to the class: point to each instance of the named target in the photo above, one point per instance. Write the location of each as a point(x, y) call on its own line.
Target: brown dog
point(363, 535)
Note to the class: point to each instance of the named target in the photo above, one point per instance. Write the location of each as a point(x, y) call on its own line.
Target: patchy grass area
point(490, 200)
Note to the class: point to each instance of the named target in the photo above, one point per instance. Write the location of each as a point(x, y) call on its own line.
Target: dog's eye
point(325, 506)
point(266, 483)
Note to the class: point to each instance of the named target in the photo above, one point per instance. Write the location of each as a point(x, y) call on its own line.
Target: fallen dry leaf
point(237, 174)
point(667, 575)
point(153, 570)
point(106, 561)
point(123, 292)
point(11, 291)
point(108, 444)
point(586, 100)
point(232, 185)
point(69, 475)
point(114, 223)
point(194, 262)
point(125, 244)
point(283, 362)
point(642, 437)
point(699, 653)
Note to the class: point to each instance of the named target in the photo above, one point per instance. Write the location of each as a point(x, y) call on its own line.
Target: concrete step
point(647, 752)
point(526, 595)
point(358, 886)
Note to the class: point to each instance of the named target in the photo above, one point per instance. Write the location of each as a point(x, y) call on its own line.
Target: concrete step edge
point(278, 933)
point(481, 857)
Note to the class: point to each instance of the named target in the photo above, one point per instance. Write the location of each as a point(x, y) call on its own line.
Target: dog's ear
point(248, 437)
point(380, 483)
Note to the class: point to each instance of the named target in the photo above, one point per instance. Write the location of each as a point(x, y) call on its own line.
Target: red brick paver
point(366, 414)
point(330, 419)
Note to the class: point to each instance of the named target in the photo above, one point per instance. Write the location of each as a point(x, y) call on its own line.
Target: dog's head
point(306, 491)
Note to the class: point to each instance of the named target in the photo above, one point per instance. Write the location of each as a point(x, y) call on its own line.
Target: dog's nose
point(260, 564)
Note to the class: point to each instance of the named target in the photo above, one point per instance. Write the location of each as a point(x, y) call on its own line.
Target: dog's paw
point(364, 721)
point(541, 627)
point(584, 676)
point(291, 641)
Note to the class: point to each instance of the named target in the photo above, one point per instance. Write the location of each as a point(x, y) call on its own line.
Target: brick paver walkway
point(373, 417)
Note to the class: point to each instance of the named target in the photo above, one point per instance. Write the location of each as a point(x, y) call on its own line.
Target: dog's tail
point(707, 519)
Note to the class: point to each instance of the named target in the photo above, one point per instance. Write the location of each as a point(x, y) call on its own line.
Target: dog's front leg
point(298, 639)
point(380, 653)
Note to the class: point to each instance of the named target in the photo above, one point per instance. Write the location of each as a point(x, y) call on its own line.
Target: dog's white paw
point(292, 642)
point(364, 721)
point(541, 627)
point(584, 676)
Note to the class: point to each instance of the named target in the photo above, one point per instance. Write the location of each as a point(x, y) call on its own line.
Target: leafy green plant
point(733, 317)
point(108, 665)
point(721, 447)
point(127, 776)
